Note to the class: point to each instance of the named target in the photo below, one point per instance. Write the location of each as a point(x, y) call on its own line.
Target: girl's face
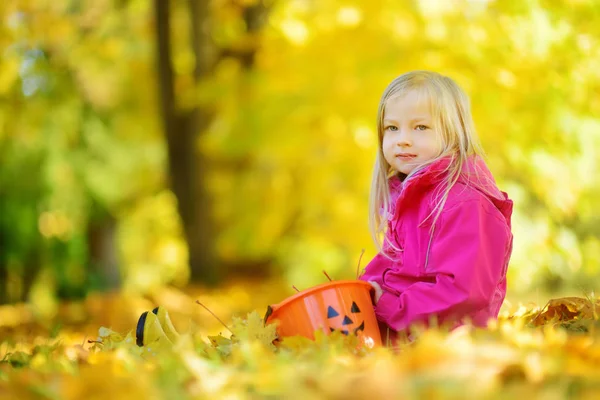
point(409, 136)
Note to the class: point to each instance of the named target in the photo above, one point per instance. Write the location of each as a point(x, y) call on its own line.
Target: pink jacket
point(458, 273)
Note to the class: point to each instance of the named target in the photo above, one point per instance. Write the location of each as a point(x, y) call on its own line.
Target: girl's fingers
point(378, 291)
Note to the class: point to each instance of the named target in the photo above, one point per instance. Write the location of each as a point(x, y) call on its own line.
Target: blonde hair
point(451, 113)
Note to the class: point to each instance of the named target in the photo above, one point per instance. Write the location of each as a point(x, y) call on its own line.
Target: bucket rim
point(311, 290)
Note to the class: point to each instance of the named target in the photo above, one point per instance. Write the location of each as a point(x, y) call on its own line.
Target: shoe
point(155, 329)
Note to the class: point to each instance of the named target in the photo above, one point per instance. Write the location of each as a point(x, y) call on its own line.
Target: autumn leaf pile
point(549, 352)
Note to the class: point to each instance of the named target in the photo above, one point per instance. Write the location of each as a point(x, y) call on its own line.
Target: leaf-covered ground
point(546, 352)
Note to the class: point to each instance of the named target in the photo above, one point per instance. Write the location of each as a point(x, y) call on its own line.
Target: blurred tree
point(269, 111)
point(20, 239)
point(70, 158)
point(184, 126)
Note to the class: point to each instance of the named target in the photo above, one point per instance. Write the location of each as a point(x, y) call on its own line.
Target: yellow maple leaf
point(254, 328)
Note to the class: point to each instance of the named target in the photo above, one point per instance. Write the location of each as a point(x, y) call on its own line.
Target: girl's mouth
point(405, 157)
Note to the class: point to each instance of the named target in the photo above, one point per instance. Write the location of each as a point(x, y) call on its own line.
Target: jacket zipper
point(429, 246)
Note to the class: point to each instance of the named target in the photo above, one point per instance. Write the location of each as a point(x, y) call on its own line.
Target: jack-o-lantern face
point(349, 324)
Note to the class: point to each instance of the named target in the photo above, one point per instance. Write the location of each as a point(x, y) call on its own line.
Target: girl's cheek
point(439, 144)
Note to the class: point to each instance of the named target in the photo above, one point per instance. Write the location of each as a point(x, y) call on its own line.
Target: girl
point(441, 225)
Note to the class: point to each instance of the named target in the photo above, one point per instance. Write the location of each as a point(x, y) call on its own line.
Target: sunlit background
point(236, 142)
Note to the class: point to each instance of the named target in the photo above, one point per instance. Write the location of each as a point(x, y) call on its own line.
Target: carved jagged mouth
point(346, 331)
point(360, 328)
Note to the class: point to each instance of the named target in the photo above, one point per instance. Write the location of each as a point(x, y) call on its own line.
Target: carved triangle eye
point(331, 312)
point(354, 308)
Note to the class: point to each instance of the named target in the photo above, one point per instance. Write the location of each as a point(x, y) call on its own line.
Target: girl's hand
point(378, 291)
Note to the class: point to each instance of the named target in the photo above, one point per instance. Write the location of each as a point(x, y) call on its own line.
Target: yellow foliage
point(546, 352)
point(290, 140)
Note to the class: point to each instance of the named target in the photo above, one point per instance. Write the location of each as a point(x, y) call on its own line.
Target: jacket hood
point(477, 175)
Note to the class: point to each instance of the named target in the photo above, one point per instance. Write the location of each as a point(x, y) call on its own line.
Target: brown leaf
point(566, 309)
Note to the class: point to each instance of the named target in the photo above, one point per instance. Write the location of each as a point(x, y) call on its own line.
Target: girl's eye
point(391, 128)
point(421, 127)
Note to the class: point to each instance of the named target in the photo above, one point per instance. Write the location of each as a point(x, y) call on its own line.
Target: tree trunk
point(3, 266)
point(187, 164)
point(103, 254)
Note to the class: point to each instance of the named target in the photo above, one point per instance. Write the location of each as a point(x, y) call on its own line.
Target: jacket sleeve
point(374, 270)
point(379, 264)
point(465, 263)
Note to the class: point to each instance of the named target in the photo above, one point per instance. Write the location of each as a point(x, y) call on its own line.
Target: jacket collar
point(475, 174)
point(424, 176)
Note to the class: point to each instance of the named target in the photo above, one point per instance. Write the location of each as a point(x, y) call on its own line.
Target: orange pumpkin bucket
point(338, 305)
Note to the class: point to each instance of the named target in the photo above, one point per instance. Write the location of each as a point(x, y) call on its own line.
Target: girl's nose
point(403, 139)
